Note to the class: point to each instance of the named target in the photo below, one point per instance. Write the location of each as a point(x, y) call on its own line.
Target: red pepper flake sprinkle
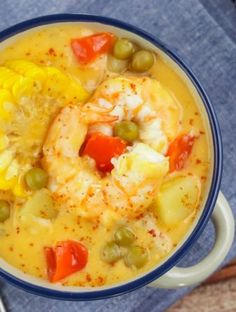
point(52, 52)
point(100, 281)
point(139, 217)
point(198, 161)
point(115, 95)
point(152, 232)
point(88, 278)
point(96, 225)
point(133, 87)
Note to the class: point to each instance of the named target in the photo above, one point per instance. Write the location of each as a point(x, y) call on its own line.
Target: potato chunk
point(177, 199)
point(40, 205)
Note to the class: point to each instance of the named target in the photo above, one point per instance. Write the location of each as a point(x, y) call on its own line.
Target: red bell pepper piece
point(102, 148)
point(65, 258)
point(86, 49)
point(179, 151)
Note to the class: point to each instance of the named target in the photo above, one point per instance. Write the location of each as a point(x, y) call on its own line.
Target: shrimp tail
point(93, 114)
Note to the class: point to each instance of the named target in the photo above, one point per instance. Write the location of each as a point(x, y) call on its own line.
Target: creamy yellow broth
point(22, 245)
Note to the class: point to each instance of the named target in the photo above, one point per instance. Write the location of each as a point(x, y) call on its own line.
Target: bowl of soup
point(110, 160)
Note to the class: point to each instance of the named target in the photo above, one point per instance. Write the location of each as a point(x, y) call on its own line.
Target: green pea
point(4, 210)
point(124, 236)
point(111, 252)
point(126, 130)
point(36, 178)
point(123, 49)
point(142, 61)
point(136, 257)
point(115, 65)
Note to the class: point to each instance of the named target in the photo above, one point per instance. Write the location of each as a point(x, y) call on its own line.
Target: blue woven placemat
point(204, 34)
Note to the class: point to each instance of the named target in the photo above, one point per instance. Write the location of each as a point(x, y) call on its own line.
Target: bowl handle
point(223, 221)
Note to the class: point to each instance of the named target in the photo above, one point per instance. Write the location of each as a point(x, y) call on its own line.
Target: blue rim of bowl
point(216, 178)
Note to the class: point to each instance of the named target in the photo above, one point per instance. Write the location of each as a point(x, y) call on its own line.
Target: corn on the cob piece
point(30, 70)
point(15, 83)
point(21, 78)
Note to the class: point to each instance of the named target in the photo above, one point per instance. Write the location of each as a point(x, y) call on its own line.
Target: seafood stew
point(104, 156)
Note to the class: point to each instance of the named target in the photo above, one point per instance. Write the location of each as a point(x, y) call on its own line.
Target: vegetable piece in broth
point(111, 253)
point(36, 178)
point(123, 49)
point(102, 149)
point(124, 236)
point(64, 259)
point(179, 151)
point(86, 49)
point(136, 257)
point(127, 130)
point(178, 199)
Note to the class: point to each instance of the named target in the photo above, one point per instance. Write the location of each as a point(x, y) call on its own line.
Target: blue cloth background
point(204, 35)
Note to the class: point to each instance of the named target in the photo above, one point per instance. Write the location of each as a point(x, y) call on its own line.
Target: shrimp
point(124, 193)
point(146, 102)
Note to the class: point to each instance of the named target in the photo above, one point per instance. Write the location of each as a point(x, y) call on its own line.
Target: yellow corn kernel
point(22, 87)
point(7, 78)
point(27, 68)
point(7, 105)
point(5, 159)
